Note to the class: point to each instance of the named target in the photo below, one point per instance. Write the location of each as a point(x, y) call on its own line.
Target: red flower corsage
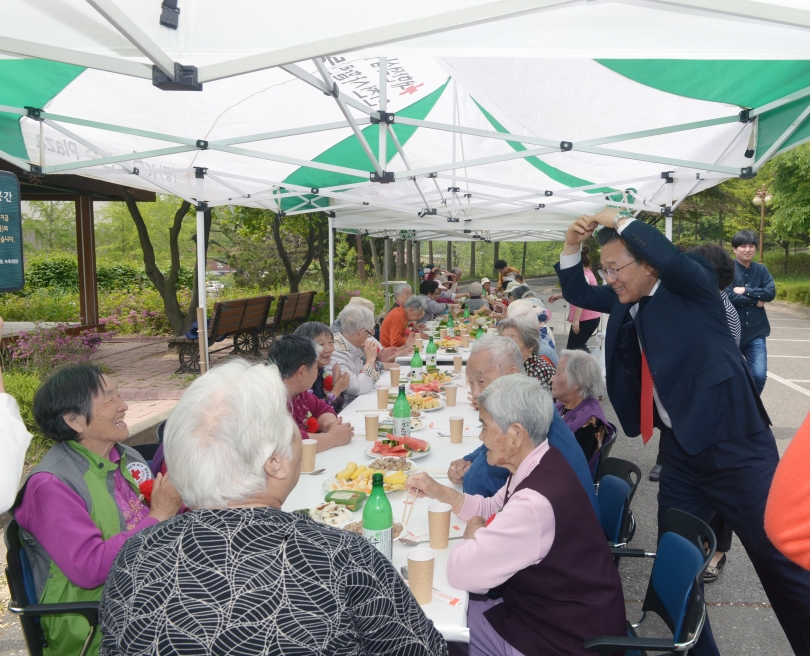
point(146, 490)
point(328, 383)
point(311, 423)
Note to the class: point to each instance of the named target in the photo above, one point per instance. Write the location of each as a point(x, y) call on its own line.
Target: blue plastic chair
point(616, 485)
point(675, 591)
point(21, 585)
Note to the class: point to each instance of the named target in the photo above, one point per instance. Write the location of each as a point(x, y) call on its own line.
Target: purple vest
point(575, 592)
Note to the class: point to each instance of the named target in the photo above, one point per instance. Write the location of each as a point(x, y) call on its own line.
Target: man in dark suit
point(720, 454)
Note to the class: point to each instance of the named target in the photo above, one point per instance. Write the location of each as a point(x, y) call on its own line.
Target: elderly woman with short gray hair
point(356, 351)
point(577, 386)
point(523, 330)
point(238, 575)
point(476, 303)
point(394, 330)
point(534, 557)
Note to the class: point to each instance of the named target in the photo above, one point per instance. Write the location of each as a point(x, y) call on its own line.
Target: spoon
point(313, 473)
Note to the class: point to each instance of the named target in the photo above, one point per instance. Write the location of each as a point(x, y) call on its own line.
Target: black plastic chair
point(675, 590)
point(147, 451)
point(21, 585)
point(616, 484)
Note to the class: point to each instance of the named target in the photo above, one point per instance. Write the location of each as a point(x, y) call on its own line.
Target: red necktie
point(646, 402)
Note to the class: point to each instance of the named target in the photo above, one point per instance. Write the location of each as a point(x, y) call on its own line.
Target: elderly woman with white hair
point(523, 330)
point(238, 575)
point(534, 557)
point(356, 351)
point(533, 307)
point(577, 387)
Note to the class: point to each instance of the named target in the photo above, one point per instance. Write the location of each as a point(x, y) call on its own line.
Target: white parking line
point(769, 339)
point(788, 383)
point(798, 380)
point(787, 356)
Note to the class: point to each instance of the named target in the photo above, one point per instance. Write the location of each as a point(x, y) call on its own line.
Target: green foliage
point(50, 226)
point(22, 386)
point(40, 305)
point(793, 289)
point(55, 271)
point(790, 189)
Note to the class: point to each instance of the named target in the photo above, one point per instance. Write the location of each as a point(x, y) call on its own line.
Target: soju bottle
point(480, 332)
point(430, 352)
point(416, 366)
point(466, 315)
point(449, 326)
point(401, 415)
point(377, 519)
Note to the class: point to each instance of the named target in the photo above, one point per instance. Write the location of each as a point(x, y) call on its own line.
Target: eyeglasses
point(605, 274)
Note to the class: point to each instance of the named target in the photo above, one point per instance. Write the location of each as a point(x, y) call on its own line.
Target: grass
point(792, 286)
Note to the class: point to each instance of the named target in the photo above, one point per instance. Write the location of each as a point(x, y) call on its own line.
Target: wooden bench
point(242, 318)
point(292, 310)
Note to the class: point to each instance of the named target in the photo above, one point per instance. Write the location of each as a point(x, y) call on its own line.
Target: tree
point(790, 199)
point(167, 285)
point(52, 224)
point(473, 258)
point(375, 261)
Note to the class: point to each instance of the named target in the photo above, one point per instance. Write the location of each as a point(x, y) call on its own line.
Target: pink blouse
point(587, 314)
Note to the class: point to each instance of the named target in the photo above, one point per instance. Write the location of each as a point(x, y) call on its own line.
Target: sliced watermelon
point(412, 443)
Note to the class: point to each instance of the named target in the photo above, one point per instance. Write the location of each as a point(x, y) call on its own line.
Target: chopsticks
point(404, 521)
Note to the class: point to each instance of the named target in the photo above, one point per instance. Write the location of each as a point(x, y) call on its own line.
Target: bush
point(49, 348)
point(794, 289)
point(120, 277)
point(41, 305)
point(22, 385)
point(54, 271)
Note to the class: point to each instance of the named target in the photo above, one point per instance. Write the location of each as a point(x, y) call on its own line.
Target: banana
point(358, 472)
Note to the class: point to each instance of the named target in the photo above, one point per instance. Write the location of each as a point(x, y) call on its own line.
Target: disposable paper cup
point(465, 341)
point(439, 525)
point(457, 429)
point(372, 424)
point(382, 398)
point(450, 395)
point(443, 333)
point(421, 574)
point(418, 344)
point(308, 455)
point(457, 363)
point(394, 372)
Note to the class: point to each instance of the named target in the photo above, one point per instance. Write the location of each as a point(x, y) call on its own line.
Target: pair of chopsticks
point(404, 521)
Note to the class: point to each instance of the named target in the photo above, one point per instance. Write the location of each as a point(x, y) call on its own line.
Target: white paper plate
point(417, 424)
point(327, 485)
point(415, 455)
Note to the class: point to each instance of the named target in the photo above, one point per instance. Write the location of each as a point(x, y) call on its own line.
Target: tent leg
point(668, 204)
point(386, 259)
point(202, 326)
point(86, 251)
point(331, 274)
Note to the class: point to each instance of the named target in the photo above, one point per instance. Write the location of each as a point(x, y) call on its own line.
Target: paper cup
point(418, 344)
point(450, 395)
point(443, 333)
point(382, 398)
point(372, 424)
point(308, 455)
point(465, 341)
point(421, 574)
point(439, 525)
point(457, 363)
point(457, 429)
point(394, 372)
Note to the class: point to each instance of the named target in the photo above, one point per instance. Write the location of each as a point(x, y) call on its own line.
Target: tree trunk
point(322, 246)
point(786, 246)
point(448, 255)
point(361, 263)
point(409, 260)
point(678, 229)
point(430, 252)
point(166, 286)
point(375, 261)
point(495, 253)
point(720, 227)
point(473, 259)
point(524, 260)
point(294, 276)
point(401, 270)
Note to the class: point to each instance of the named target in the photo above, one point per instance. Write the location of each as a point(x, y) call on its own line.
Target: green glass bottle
point(466, 315)
point(416, 366)
point(449, 327)
point(430, 352)
point(401, 415)
point(377, 518)
point(480, 332)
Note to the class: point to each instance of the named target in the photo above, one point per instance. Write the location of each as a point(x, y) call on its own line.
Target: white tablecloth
point(445, 358)
point(451, 621)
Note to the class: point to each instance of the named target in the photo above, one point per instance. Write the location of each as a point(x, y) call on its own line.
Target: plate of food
point(359, 478)
point(386, 425)
point(399, 447)
point(449, 343)
point(414, 413)
point(357, 527)
point(388, 464)
point(425, 401)
point(331, 514)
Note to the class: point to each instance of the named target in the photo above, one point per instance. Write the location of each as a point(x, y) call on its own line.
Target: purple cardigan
point(579, 416)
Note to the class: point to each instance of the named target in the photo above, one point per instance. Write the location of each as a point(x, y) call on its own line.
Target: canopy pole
point(331, 273)
point(668, 176)
point(382, 88)
point(202, 326)
point(386, 258)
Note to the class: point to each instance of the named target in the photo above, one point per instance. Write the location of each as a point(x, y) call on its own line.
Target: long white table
point(449, 620)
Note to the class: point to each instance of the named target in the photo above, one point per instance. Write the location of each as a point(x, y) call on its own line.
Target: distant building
point(217, 268)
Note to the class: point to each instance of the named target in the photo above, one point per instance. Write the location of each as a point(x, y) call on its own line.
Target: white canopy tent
point(461, 120)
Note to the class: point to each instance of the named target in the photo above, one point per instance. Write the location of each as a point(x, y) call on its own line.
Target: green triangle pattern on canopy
point(348, 152)
point(28, 83)
point(746, 83)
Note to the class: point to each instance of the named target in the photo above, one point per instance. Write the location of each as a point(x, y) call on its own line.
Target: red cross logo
point(411, 89)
